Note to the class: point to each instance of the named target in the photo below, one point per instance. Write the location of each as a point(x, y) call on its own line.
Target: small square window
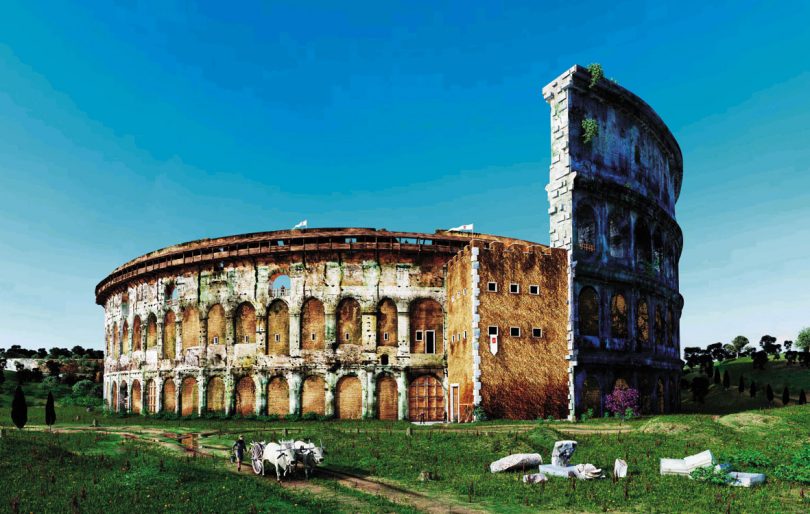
point(534, 289)
point(492, 330)
point(215, 340)
point(537, 332)
point(418, 335)
point(385, 336)
point(514, 331)
point(492, 287)
point(514, 288)
point(278, 338)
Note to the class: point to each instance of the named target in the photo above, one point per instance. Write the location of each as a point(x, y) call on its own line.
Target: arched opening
point(191, 328)
point(645, 394)
point(312, 325)
point(114, 398)
point(137, 400)
point(659, 328)
point(215, 395)
point(618, 316)
point(169, 396)
point(278, 328)
point(216, 324)
point(115, 353)
point(125, 346)
point(349, 398)
point(280, 286)
point(658, 253)
point(588, 312)
point(619, 234)
point(426, 399)
point(620, 383)
point(661, 397)
point(151, 332)
point(387, 323)
point(348, 322)
point(387, 398)
point(189, 397)
point(169, 336)
point(278, 397)
point(673, 395)
point(245, 321)
point(643, 246)
point(245, 396)
point(151, 397)
point(670, 330)
point(384, 359)
point(313, 398)
point(642, 323)
point(136, 334)
point(427, 323)
point(585, 230)
point(123, 397)
point(592, 396)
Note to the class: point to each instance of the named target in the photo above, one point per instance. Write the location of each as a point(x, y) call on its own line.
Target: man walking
point(239, 448)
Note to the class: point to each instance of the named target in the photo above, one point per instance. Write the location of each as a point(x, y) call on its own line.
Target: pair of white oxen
point(284, 456)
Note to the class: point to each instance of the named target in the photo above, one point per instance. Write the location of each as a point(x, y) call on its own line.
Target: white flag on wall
point(300, 224)
point(462, 228)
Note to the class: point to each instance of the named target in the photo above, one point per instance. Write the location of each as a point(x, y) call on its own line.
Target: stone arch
point(137, 397)
point(658, 253)
point(169, 335)
point(659, 328)
point(169, 396)
point(313, 395)
point(619, 234)
point(588, 310)
point(191, 328)
point(618, 316)
point(246, 396)
point(313, 324)
point(592, 395)
point(620, 383)
point(125, 346)
point(245, 321)
point(136, 334)
point(216, 324)
point(215, 395)
point(643, 245)
point(673, 395)
point(278, 328)
point(348, 321)
point(278, 396)
point(427, 322)
point(280, 285)
point(387, 398)
point(189, 397)
point(642, 322)
point(150, 405)
point(586, 230)
point(151, 331)
point(123, 396)
point(349, 398)
point(115, 352)
point(426, 399)
point(387, 322)
point(645, 394)
point(114, 398)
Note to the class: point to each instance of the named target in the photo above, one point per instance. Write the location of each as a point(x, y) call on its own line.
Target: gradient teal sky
point(131, 127)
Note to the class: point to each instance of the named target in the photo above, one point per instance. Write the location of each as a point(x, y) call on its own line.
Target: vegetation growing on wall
point(595, 69)
point(590, 129)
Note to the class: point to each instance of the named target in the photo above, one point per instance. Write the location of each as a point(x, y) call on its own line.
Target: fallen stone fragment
point(620, 468)
point(740, 479)
point(588, 472)
point(686, 465)
point(534, 478)
point(558, 471)
point(563, 450)
point(516, 461)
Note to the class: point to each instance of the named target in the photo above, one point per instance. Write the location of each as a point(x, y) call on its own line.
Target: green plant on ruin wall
point(595, 69)
point(590, 129)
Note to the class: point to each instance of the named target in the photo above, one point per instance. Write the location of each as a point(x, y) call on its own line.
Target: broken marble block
point(516, 461)
point(620, 468)
point(563, 450)
point(741, 479)
point(686, 465)
point(588, 472)
point(534, 478)
point(558, 471)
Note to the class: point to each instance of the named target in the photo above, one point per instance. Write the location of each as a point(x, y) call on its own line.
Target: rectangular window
point(534, 289)
point(346, 336)
point(453, 339)
point(465, 335)
point(246, 339)
point(514, 331)
point(385, 336)
point(430, 341)
point(215, 340)
point(492, 287)
point(313, 336)
point(514, 288)
point(492, 330)
point(537, 332)
point(418, 335)
point(278, 338)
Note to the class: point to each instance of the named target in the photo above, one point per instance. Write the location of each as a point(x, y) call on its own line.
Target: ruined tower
point(615, 175)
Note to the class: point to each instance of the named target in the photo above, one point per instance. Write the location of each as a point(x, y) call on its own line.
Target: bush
point(480, 414)
point(700, 388)
point(711, 475)
point(292, 417)
point(309, 416)
point(747, 458)
point(620, 401)
point(84, 388)
point(799, 468)
point(590, 129)
point(50, 383)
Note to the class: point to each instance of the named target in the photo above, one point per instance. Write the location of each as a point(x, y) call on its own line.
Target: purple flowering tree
point(623, 402)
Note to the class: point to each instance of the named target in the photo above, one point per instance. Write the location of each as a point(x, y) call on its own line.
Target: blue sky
point(131, 127)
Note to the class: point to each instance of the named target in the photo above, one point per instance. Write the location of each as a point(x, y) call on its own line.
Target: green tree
point(19, 409)
point(741, 387)
point(803, 339)
point(50, 412)
point(726, 380)
point(739, 343)
point(802, 397)
point(753, 390)
point(785, 396)
point(769, 393)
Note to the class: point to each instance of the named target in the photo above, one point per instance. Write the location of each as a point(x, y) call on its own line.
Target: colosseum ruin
point(370, 323)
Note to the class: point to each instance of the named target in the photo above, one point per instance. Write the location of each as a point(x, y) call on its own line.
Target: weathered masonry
point(364, 323)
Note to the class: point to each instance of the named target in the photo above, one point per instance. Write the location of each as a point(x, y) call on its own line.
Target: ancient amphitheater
point(365, 323)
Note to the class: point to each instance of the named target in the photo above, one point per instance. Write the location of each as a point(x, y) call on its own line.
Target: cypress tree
point(753, 390)
point(802, 397)
point(19, 410)
point(785, 396)
point(726, 380)
point(741, 387)
point(716, 375)
point(769, 393)
point(50, 412)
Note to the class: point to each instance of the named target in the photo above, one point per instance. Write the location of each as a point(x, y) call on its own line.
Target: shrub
point(50, 383)
point(480, 414)
point(50, 412)
point(726, 380)
point(747, 458)
point(84, 388)
point(590, 129)
point(799, 468)
point(785, 396)
point(596, 71)
point(741, 387)
point(309, 416)
point(753, 390)
point(769, 393)
point(19, 409)
point(802, 397)
point(292, 417)
point(620, 401)
point(716, 376)
point(700, 388)
point(711, 475)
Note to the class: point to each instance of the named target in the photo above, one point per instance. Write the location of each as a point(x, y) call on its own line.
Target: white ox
point(283, 459)
point(309, 455)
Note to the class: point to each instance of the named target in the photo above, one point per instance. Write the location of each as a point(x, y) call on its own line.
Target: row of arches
point(657, 395)
point(425, 321)
point(664, 320)
point(426, 397)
